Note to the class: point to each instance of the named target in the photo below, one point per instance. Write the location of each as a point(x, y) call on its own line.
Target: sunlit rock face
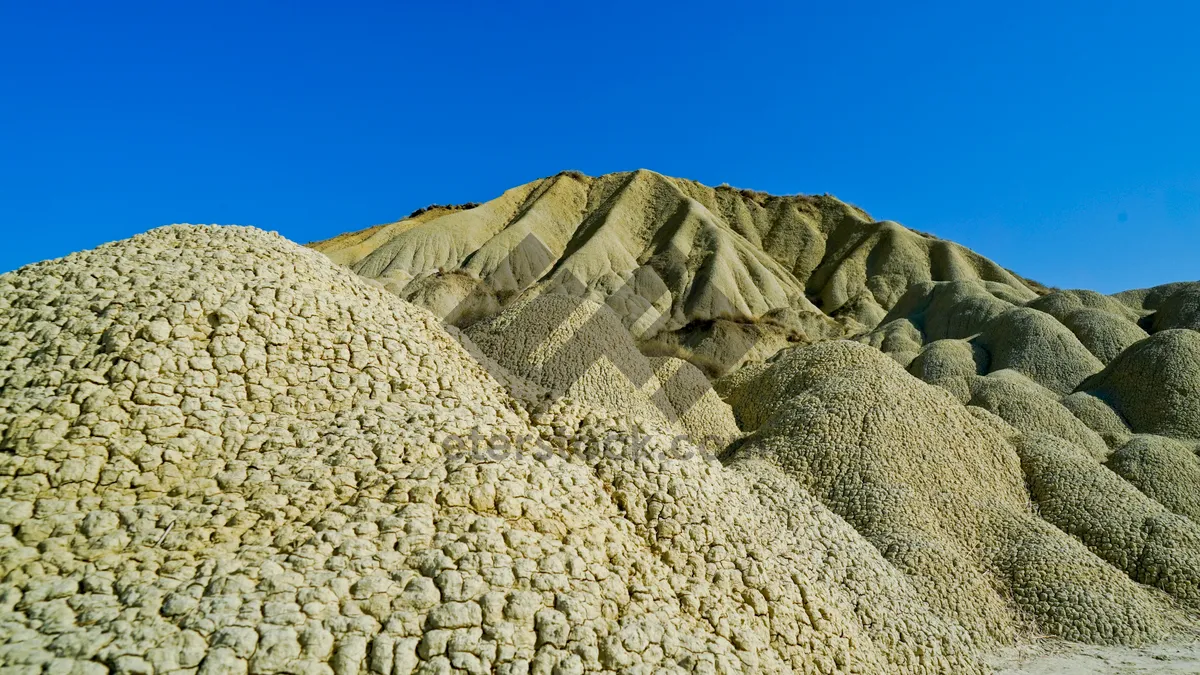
point(484, 439)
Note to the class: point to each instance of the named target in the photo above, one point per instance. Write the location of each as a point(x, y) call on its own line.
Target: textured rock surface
point(1164, 469)
point(705, 418)
point(1031, 408)
point(1076, 365)
point(1120, 524)
point(942, 494)
point(578, 349)
point(670, 257)
point(224, 454)
point(1155, 384)
point(221, 452)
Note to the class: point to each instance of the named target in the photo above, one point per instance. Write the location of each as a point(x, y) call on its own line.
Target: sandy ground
point(1061, 658)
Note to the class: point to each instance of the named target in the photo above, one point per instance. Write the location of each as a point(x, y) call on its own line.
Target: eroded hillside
point(222, 452)
point(717, 275)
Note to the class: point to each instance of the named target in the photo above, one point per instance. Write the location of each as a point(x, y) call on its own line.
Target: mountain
point(466, 442)
point(717, 275)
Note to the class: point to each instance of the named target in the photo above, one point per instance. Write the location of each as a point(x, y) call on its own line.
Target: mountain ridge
point(615, 425)
point(221, 452)
point(722, 254)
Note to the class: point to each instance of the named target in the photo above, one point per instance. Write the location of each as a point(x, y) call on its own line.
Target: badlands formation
point(626, 424)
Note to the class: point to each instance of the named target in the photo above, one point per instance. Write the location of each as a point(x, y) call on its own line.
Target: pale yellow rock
point(669, 256)
point(301, 482)
point(221, 452)
point(942, 494)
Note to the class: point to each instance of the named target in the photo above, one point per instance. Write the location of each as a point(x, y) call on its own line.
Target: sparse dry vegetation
point(443, 207)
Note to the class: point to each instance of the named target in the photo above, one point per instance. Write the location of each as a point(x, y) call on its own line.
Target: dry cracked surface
point(221, 452)
point(225, 454)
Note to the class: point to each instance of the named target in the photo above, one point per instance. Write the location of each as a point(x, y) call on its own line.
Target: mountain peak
point(671, 256)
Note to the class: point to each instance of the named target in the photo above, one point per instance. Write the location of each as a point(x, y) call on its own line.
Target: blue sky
point(1061, 141)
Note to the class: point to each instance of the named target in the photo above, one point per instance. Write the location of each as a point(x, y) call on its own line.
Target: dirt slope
point(463, 442)
point(729, 275)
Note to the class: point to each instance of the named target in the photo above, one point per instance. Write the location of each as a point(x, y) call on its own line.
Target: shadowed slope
point(941, 492)
point(221, 453)
point(669, 256)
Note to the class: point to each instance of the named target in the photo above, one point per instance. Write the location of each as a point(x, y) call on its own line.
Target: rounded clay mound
point(1165, 469)
point(1150, 299)
point(949, 358)
point(1060, 304)
point(1034, 344)
point(224, 454)
point(941, 493)
point(899, 339)
point(1104, 334)
point(1098, 417)
point(1129, 530)
point(1031, 408)
point(1155, 384)
point(951, 365)
point(455, 298)
point(951, 310)
point(1180, 309)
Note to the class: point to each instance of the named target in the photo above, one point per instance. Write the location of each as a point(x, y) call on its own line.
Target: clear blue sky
point(1061, 141)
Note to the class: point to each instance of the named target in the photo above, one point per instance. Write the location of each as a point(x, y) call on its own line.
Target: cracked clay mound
point(225, 453)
